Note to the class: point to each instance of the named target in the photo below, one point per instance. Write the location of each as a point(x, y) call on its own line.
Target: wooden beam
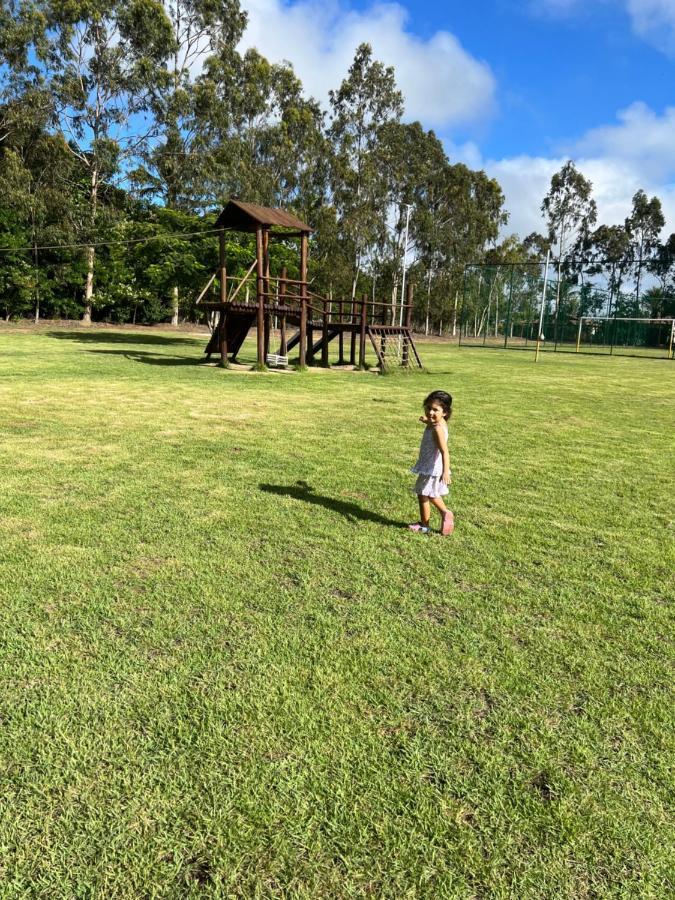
point(283, 350)
point(303, 298)
point(223, 270)
point(260, 290)
point(362, 341)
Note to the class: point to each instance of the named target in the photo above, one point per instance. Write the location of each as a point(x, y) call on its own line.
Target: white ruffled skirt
point(430, 486)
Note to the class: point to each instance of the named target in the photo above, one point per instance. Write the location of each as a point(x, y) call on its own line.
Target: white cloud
point(654, 20)
point(641, 137)
point(442, 83)
point(617, 159)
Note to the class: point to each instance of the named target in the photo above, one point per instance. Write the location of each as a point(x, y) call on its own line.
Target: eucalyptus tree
point(264, 136)
point(35, 193)
point(570, 213)
point(173, 165)
point(99, 59)
point(611, 255)
point(662, 265)
point(644, 226)
point(410, 160)
point(471, 213)
point(365, 102)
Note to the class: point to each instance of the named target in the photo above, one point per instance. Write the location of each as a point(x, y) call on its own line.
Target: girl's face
point(435, 413)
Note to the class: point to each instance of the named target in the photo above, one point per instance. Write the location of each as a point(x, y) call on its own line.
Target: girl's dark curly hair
point(444, 401)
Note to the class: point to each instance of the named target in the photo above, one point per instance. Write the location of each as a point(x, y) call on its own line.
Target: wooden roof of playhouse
point(240, 216)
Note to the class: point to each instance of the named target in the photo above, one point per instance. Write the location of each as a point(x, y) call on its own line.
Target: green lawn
point(229, 671)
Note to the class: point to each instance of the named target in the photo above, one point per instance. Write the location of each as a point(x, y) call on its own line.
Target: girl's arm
point(442, 443)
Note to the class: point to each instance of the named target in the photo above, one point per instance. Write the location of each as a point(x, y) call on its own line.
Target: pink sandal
point(417, 526)
point(447, 523)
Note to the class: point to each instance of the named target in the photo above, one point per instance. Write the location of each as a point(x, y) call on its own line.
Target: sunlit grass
point(229, 670)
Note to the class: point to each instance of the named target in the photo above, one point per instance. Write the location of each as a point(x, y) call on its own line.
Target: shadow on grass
point(153, 359)
point(120, 337)
point(304, 492)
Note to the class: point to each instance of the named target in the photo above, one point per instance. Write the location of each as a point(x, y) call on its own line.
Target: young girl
point(433, 463)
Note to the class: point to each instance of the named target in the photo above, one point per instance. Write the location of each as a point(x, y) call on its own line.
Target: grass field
point(229, 671)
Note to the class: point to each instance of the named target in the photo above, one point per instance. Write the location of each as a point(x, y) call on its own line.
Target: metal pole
point(508, 310)
point(405, 261)
point(581, 322)
point(543, 304)
point(672, 339)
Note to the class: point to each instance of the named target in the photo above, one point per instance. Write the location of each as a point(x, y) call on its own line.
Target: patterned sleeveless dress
point(429, 466)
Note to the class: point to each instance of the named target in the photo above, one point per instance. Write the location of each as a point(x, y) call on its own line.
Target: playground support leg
point(310, 341)
point(283, 349)
point(362, 336)
point(222, 335)
point(268, 319)
point(352, 339)
point(324, 335)
point(260, 281)
point(222, 321)
point(341, 338)
point(303, 332)
point(303, 300)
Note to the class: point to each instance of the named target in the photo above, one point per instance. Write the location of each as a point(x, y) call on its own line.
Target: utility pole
point(405, 261)
point(543, 306)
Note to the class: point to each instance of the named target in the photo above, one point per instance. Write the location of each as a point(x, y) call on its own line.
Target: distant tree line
point(126, 126)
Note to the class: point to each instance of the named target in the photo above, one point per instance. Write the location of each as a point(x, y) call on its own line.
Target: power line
point(153, 237)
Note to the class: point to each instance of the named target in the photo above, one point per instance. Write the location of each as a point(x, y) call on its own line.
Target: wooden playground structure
point(291, 304)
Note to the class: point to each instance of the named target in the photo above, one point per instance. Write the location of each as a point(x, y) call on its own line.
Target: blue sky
point(511, 87)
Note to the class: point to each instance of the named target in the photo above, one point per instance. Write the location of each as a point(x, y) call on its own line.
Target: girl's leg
point(447, 518)
point(425, 510)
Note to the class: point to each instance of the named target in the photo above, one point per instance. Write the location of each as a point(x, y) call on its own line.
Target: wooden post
point(260, 289)
point(303, 299)
point(352, 348)
point(267, 299)
point(362, 341)
point(383, 339)
point(222, 321)
point(283, 349)
point(409, 301)
point(222, 337)
point(341, 337)
point(324, 335)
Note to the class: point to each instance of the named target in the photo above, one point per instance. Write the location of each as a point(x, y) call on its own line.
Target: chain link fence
point(502, 308)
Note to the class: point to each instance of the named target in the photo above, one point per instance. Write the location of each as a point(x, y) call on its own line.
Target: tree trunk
point(174, 305)
point(37, 286)
point(426, 322)
point(91, 251)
